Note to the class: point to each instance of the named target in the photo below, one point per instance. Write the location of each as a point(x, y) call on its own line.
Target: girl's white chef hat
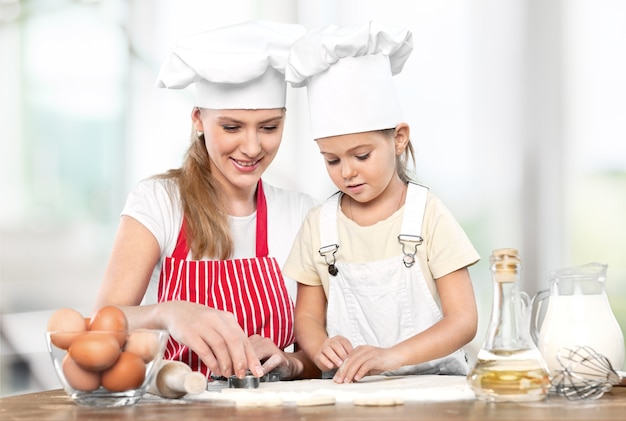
point(348, 74)
point(240, 66)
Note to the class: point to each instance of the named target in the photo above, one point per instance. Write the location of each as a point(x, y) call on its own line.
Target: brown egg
point(143, 343)
point(128, 372)
point(95, 351)
point(65, 320)
point(79, 378)
point(111, 319)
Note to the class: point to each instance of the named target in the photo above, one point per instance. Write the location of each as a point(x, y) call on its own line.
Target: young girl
point(381, 265)
point(201, 247)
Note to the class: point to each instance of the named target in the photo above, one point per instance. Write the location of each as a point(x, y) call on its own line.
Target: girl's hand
point(332, 353)
point(366, 360)
point(213, 334)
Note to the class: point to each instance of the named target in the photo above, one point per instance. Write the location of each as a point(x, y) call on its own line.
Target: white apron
point(382, 303)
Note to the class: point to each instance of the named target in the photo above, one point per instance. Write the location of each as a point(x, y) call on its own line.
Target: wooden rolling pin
point(175, 379)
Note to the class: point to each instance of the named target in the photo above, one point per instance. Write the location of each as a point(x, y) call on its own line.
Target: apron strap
point(261, 222)
point(415, 205)
point(411, 232)
point(328, 231)
point(182, 248)
point(328, 220)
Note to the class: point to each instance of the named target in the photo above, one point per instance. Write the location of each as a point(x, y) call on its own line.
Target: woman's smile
point(246, 166)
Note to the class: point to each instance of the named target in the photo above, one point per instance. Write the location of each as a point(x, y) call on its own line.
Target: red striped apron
point(252, 289)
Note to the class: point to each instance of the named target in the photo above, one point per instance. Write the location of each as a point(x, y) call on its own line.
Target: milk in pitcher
point(580, 320)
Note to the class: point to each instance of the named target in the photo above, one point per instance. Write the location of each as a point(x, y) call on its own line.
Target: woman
point(200, 247)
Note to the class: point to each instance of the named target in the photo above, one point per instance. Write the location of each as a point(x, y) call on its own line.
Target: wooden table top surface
point(56, 405)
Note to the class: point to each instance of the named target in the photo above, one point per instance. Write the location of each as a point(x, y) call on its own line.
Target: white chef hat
point(348, 74)
point(240, 66)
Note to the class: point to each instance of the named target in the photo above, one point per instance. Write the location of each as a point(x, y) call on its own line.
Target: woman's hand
point(213, 334)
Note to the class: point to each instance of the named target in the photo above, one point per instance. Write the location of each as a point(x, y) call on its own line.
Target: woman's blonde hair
point(203, 204)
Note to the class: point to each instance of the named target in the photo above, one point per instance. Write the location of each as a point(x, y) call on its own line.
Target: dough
point(377, 401)
point(314, 400)
point(371, 391)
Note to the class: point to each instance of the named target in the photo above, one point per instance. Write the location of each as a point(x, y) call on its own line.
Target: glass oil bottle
point(509, 366)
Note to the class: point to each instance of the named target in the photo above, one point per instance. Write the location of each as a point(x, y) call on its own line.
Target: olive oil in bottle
point(509, 367)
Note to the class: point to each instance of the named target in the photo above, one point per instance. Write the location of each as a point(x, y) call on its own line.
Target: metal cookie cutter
point(272, 376)
point(247, 382)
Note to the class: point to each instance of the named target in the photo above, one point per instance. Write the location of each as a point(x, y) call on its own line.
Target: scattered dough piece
point(314, 400)
point(377, 401)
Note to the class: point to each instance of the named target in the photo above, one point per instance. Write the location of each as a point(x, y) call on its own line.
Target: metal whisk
point(584, 374)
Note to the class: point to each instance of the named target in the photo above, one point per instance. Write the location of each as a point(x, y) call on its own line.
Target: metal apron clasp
point(404, 239)
point(328, 253)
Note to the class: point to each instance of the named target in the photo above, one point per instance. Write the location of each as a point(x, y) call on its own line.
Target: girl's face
point(241, 143)
point(363, 165)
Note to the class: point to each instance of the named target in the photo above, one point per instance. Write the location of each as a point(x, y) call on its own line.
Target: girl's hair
point(203, 203)
point(403, 161)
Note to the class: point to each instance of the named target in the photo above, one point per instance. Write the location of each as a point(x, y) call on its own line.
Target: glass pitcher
point(576, 312)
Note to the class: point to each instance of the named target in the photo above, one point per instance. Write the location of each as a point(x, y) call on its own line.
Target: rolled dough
point(372, 390)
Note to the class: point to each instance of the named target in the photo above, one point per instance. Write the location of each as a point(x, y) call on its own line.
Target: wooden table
point(56, 405)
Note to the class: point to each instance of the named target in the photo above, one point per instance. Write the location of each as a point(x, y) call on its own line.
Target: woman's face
point(241, 143)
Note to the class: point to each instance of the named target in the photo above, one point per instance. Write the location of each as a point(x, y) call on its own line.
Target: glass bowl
point(104, 368)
